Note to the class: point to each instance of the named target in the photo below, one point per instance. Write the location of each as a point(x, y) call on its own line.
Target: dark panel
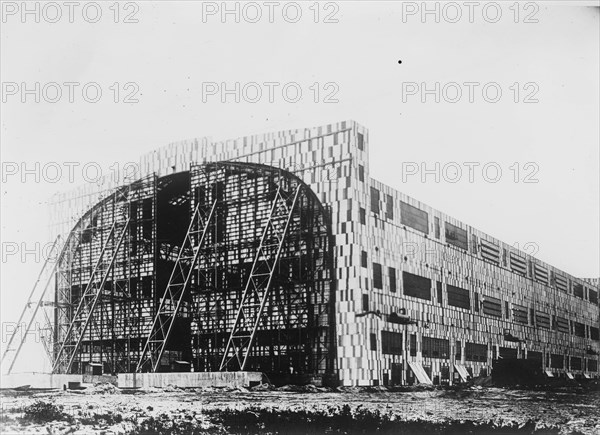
point(492, 307)
point(413, 345)
point(373, 341)
point(416, 286)
point(475, 352)
point(436, 347)
point(561, 283)
point(578, 290)
point(556, 361)
point(520, 314)
point(531, 354)
point(392, 274)
point(391, 343)
point(458, 297)
point(456, 236)
point(374, 200)
point(579, 329)
point(561, 324)
point(414, 217)
point(377, 276)
point(540, 273)
point(542, 320)
point(508, 353)
point(389, 207)
point(517, 264)
point(490, 252)
point(365, 302)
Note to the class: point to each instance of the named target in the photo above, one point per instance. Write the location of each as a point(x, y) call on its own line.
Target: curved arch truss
point(225, 267)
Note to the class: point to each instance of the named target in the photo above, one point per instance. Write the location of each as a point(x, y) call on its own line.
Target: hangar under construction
point(279, 253)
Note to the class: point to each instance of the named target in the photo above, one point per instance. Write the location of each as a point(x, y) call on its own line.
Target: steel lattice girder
point(88, 303)
point(256, 292)
point(297, 324)
point(178, 283)
point(35, 301)
point(115, 324)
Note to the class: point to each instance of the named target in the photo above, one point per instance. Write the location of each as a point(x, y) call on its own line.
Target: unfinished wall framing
point(117, 304)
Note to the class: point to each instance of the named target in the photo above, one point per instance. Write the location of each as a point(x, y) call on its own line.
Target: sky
point(534, 148)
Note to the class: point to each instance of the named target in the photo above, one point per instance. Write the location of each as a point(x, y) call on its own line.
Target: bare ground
point(106, 410)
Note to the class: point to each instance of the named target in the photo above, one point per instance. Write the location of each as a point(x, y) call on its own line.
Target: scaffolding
point(170, 270)
point(88, 301)
point(36, 301)
point(177, 286)
point(293, 333)
point(256, 293)
point(108, 261)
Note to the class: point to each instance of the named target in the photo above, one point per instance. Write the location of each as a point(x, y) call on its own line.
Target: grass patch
point(41, 412)
point(107, 419)
point(344, 420)
point(166, 425)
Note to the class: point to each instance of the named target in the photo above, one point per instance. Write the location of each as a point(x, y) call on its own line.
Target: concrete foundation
point(189, 380)
point(40, 380)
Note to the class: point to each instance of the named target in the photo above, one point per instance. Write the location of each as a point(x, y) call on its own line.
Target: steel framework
point(119, 316)
point(295, 330)
point(170, 303)
point(255, 294)
point(183, 276)
point(35, 301)
point(89, 300)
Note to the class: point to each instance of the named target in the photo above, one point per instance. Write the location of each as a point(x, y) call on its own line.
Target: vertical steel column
point(176, 288)
point(87, 304)
point(249, 313)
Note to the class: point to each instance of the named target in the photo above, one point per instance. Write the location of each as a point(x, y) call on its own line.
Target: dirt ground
point(104, 410)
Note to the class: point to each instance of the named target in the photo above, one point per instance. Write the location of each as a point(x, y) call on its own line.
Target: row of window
point(420, 287)
point(557, 361)
point(419, 220)
point(391, 344)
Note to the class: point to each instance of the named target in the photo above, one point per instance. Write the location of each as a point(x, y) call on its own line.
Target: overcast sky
point(174, 48)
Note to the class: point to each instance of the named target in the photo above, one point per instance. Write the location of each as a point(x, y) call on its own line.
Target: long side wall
point(483, 268)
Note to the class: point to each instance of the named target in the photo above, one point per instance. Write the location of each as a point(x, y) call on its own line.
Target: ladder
point(257, 287)
point(170, 303)
point(30, 311)
point(89, 299)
